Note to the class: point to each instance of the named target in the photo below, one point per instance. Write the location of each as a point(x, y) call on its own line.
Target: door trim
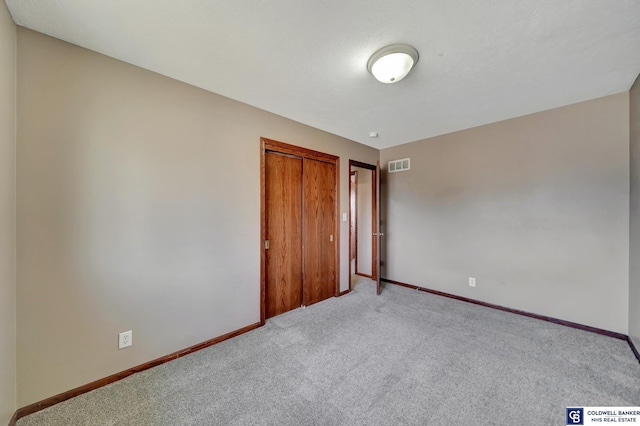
point(374, 208)
point(284, 148)
point(353, 196)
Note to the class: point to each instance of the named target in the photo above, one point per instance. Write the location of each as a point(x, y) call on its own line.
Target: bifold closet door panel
point(319, 189)
point(283, 178)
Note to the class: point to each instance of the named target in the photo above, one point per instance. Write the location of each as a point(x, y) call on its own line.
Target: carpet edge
point(558, 321)
point(633, 348)
point(56, 399)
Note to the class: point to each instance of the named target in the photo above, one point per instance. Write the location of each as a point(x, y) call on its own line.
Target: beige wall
point(365, 222)
point(138, 208)
point(535, 208)
point(634, 246)
point(7, 216)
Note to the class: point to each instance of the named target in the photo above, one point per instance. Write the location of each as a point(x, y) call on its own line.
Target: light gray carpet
point(402, 358)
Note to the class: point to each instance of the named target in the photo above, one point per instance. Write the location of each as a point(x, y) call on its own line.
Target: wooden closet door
point(319, 185)
point(283, 216)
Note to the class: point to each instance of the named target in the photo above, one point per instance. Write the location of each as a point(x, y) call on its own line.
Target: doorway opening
point(364, 235)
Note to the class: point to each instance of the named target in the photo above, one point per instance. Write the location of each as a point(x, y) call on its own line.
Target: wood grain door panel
point(299, 219)
point(284, 232)
point(377, 230)
point(353, 215)
point(319, 241)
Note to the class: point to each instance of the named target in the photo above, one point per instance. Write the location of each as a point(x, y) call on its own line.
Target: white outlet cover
point(125, 339)
point(472, 282)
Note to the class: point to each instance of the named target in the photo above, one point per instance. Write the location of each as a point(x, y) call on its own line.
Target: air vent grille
point(399, 165)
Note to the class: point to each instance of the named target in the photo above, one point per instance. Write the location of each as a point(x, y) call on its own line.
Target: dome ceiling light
point(392, 63)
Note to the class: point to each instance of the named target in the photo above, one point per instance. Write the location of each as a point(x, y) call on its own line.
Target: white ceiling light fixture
point(392, 63)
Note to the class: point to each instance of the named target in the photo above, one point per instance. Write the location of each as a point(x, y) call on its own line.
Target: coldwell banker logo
point(574, 416)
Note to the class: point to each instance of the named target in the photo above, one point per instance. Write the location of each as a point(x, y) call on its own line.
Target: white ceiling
point(480, 61)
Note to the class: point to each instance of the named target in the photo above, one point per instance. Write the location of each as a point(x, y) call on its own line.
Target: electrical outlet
point(472, 282)
point(125, 339)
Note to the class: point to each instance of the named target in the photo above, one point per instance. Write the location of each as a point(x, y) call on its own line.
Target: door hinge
point(266, 244)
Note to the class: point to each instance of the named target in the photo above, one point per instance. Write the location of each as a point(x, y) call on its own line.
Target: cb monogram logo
point(574, 416)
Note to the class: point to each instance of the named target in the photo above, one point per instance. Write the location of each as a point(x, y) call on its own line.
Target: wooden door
point(283, 216)
point(377, 232)
point(319, 241)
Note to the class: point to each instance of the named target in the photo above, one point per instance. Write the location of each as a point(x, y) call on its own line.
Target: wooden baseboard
point(515, 311)
point(633, 348)
point(45, 403)
point(364, 275)
point(41, 405)
point(14, 419)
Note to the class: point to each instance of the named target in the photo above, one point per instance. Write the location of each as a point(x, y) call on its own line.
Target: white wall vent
point(399, 165)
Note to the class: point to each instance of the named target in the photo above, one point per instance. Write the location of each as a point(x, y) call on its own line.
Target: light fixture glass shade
point(392, 63)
